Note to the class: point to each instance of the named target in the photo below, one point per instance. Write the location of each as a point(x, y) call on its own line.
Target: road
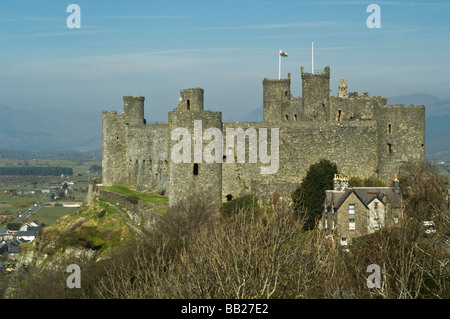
point(29, 212)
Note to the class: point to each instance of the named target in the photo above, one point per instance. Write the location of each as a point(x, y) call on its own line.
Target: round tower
point(133, 107)
point(191, 99)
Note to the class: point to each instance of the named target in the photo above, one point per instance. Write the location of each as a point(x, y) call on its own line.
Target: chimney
point(340, 182)
point(396, 185)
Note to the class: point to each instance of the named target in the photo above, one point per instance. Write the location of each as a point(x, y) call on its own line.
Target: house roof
point(365, 194)
point(26, 233)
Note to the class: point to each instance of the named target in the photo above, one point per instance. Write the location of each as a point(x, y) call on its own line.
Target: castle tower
point(401, 137)
point(133, 107)
point(342, 91)
point(316, 95)
point(194, 175)
point(191, 99)
point(114, 149)
point(275, 94)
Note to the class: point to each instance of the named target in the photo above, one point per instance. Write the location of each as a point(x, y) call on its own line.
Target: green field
point(48, 215)
point(127, 191)
point(78, 165)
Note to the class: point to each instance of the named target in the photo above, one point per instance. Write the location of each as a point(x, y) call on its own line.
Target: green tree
point(95, 169)
point(13, 226)
point(309, 197)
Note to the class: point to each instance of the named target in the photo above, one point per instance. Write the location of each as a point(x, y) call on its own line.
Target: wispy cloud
point(78, 32)
point(138, 17)
point(303, 24)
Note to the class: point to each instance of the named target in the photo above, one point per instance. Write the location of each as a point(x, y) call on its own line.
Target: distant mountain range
point(49, 130)
point(76, 133)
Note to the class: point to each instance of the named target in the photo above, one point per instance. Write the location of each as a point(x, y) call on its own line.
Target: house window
point(376, 224)
point(395, 220)
point(344, 241)
point(351, 224)
point(351, 209)
point(375, 206)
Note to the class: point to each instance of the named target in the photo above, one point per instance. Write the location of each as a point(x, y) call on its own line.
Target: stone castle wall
point(361, 134)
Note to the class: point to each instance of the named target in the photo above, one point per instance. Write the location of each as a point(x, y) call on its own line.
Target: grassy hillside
point(98, 228)
point(146, 197)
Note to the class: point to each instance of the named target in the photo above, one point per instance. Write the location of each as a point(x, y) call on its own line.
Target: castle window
point(389, 128)
point(338, 115)
point(188, 104)
point(286, 117)
point(295, 117)
point(195, 170)
point(389, 148)
point(229, 197)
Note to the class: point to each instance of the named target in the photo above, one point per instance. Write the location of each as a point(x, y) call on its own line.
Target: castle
point(363, 135)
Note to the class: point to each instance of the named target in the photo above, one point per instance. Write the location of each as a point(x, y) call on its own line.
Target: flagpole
point(279, 65)
point(312, 57)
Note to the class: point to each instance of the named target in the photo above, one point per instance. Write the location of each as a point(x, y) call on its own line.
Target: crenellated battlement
point(360, 133)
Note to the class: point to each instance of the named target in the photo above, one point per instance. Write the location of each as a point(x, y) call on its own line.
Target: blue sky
point(157, 48)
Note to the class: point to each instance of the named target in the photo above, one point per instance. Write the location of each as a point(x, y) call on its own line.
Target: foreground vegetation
point(248, 251)
point(130, 193)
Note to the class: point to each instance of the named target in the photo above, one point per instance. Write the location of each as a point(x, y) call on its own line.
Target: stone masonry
point(363, 135)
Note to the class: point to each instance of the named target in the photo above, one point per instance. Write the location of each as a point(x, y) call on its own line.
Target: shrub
point(234, 206)
point(308, 198)
point(13, 226)
point(132, 199)
point(371, 181)
point(101, 213)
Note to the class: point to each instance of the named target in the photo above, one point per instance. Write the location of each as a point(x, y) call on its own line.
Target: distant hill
point(433, 105)
point(56, 132)
point(415, 98)
point(49, 130)
point(253, 116)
